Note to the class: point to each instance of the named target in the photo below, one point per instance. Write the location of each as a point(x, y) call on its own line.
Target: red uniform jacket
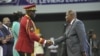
point(27, 36)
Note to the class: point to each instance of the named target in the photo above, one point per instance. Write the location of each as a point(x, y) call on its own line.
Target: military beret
point(30, 7)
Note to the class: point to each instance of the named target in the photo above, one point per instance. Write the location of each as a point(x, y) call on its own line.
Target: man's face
point(94, 36)
point(32, 14)
point(6, 21)
point(69, 16)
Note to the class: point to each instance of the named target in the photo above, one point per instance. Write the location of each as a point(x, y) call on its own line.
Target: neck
point(70, 20)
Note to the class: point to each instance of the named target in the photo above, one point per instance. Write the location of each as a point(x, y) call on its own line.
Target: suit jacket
point(76, 39)
point(27, 36)
point(5, 33)
point(10, 42)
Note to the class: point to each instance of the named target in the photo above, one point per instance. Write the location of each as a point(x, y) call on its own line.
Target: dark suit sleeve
point(1, 35)
point(5, 31)
point(60, 39)
point(80, 29)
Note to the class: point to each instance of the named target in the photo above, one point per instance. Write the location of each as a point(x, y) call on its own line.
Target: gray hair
point(72, 12)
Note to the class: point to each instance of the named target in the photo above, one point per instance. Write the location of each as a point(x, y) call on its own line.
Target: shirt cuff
point(44, 43)
point(53, 42)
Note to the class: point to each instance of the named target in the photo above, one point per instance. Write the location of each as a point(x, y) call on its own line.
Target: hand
point(8, 37)
point(4, 41)
point(49, 42)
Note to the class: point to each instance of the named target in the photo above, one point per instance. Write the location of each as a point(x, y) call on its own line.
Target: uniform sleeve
point(31, 32)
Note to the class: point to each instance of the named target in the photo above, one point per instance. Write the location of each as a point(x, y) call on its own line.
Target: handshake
point(49, 42)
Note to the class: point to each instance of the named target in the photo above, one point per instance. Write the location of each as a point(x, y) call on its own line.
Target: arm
point(31, 32)
point(2, 40)
point(60, 39)
point(80, 29)
point(94, 43)
point(16, 28)
point(7, 34)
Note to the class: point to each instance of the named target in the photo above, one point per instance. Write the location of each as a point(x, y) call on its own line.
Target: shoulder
point(78, 21)
point(4, 28)
point(15, 24)
point(24, 20)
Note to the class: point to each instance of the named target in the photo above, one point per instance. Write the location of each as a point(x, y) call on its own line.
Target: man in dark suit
point(75, 36)
point(10, 40)
point(5, 35)
point(93, 42)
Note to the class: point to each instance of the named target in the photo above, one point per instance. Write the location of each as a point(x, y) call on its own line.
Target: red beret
point(30, 7)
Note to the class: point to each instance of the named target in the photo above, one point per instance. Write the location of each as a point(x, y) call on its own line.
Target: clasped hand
point(49, 42)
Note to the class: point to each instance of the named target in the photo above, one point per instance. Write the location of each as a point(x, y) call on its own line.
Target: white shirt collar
point(5, 26)
point(72, 21)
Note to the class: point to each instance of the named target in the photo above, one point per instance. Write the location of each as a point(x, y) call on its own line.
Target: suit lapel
point(69, 28)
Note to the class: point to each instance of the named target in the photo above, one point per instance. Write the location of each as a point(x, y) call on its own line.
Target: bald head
point(70, 15)
point(6, 21)
point(71, 12)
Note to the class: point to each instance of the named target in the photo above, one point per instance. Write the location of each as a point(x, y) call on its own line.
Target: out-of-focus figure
point(38, 48)
point(10, 41)
point(93, 42)
point(1, 40)
point(15, 29)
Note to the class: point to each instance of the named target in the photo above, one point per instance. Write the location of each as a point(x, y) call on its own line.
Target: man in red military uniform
point(27, 34)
